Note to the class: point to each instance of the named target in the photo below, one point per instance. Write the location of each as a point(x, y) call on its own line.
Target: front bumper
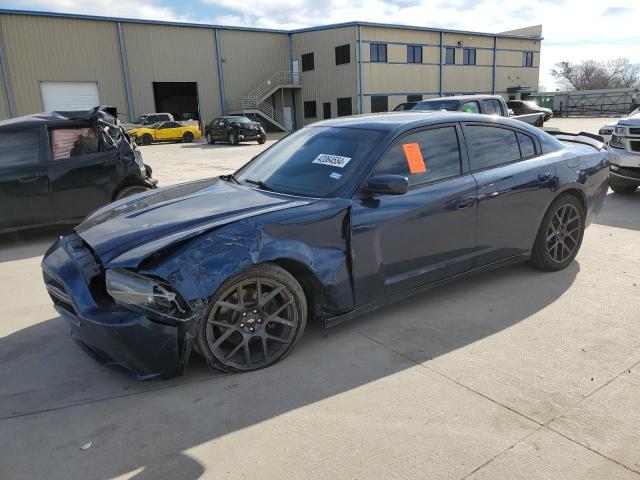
point(624, 166)
point(116, 336)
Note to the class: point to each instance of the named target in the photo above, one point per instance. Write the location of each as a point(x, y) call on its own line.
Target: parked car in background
point(149, 119)
point(624, 154)
point(165, 132)
point(405, 106)
point(607, 130)
point(522, 107)
point(234, 129)
point(485, 104)
point(329, 223)
point(57, 167)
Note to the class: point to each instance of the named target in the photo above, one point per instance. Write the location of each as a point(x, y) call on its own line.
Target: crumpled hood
point(126, 232)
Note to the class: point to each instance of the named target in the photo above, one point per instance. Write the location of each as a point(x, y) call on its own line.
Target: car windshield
point(312, 162)
point(239, 120)
point(141, 119)
point(449, 105)
point(156, 125)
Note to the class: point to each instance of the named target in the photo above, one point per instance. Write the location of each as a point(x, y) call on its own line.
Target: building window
point(310, 109)
point(343, 54)
point(379, 103)
point(344, 106)
point(326, 110)
point(378, 52)
point(450, 56)
point(414, 54)
point(527, 59)
point(469, 56)
point(307, 62)
point(414, 98)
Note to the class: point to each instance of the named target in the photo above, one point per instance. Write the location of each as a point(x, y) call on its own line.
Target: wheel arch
point(577, 193)
point(311, 285)
point(129, 181)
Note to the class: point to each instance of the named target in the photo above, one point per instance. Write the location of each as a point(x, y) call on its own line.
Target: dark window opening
point(307, 62)
point(469, 56)
point(379, 103)
point(310, 109)
point(414, 54)
point(450, 56)
point(326, 110)
point(414, 98)
point(378, 52)
point(343, 54)
point(527, 59)
point(344, 107)
point(177, 98)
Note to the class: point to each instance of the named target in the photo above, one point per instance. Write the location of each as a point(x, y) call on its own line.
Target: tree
point(594, 75)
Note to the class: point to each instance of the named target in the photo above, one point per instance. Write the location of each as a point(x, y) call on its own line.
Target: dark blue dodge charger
point(337, 219)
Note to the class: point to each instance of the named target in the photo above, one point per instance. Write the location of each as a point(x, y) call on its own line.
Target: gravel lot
point(513, 374)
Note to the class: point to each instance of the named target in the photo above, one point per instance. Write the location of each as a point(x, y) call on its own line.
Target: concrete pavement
point(510, 374)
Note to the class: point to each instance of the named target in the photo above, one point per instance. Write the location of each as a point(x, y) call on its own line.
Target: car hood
point(633, 121)
point(126, 232)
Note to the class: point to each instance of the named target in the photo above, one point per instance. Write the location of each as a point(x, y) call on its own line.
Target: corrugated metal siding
point(61, 49)
point(520, 76)
point(327, 81)
point(4, 102)
point(172, 54)
point(401, 78)
point(467, 79)
point(250, 57)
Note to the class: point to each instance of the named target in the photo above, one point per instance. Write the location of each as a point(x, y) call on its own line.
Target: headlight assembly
point(616, 141)
point(132, 290)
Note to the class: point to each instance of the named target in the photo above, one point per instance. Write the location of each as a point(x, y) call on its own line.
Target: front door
point(168, 131)
point(400, 242)
point(516, 183)
point(24, 187)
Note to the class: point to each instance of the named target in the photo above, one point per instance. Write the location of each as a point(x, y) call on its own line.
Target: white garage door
point(60, 96)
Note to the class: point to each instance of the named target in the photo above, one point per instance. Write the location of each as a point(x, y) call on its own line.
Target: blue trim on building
point(405, 63)
point(493, 75)
point(125, 72)
point(219, 68)
point(360, 75)
point(436, 94)
point(6, 81)
point(441, 85)
point(226, 27)
point(294, 115)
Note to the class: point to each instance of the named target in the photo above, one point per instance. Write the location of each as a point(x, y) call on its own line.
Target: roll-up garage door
point(60, 96)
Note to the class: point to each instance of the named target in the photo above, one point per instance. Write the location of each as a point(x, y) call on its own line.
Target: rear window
point(19, 148)
point(449, 105)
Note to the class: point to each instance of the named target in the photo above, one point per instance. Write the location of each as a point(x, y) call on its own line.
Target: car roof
point(460, 98)
point(408, 120)
point(49, 119)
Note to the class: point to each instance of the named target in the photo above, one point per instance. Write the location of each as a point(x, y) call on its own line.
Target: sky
point(573, 30)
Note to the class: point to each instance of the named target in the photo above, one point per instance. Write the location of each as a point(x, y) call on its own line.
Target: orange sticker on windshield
point(414, 157)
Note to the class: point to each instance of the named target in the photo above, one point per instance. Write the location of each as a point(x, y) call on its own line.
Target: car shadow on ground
point(621, 211)
point(29, 243)
point(44, 370)
point(208, 146)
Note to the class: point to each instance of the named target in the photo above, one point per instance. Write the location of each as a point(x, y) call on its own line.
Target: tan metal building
point(288, 78)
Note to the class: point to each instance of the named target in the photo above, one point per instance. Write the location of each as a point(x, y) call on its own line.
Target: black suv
point(57, 167)
point(234, 129)
point(522, 107)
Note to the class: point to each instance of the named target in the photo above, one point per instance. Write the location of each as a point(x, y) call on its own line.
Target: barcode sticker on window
point(414, 157)
point(332, 160)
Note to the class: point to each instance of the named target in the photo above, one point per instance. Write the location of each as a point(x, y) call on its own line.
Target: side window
point(310, 109)
point(489, 107)
point(378, 52)
point(215, 123)
point(163, 118)
point(343, 54)
point(499, 108)
point(470, 107)
point(73, 142)
point(527, 147)
point(491, 146)
point(307, 62)
point(450, 56)
point(151, 119)
point(344, 106)
point(424, 156)
point(169, 125)
point(19, 148)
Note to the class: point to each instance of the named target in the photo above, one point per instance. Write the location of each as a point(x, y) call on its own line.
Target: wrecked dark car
point(234, 129)
point(57, 167)
point(335, 220)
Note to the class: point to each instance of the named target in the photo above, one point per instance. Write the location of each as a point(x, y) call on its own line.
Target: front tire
point(232, 138)
point(262, 140)
point(617, 188)
point(253, 320)
point(146, 139)
point(560, 234)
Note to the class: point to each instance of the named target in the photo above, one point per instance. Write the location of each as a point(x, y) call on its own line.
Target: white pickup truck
point(624, 154)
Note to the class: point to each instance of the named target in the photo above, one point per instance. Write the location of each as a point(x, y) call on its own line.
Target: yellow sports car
point(165, 132)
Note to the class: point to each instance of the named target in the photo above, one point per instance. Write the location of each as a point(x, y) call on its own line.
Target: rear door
point(515, 185)
point(24, 187)
point(403, 241)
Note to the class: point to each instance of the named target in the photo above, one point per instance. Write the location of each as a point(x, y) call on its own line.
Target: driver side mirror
point(387, 185)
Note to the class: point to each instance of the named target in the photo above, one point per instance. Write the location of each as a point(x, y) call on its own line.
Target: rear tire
point(254, 320)
point(210, 139)
point(617, 188)
point(146, 139)
point(187, 137)
point(262, 140)
point(560, 234)
point(131, 190)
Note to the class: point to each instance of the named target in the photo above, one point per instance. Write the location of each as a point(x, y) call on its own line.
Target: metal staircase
point(257, 100)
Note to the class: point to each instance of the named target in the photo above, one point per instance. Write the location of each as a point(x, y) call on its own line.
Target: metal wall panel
point(61, 49)
point(467, 79)
point(516, 76)
point(327, 81)
point(248, 58)
point(4, 101)
point(400, 35)
point(382, 78)
point(157, 53)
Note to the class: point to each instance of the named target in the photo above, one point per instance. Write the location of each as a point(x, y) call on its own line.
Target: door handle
point(544, 176)
point(28, 178)
point(465, 202)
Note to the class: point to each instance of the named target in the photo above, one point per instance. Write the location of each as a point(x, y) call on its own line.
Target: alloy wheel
point(563, 233)
point(252, 323)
